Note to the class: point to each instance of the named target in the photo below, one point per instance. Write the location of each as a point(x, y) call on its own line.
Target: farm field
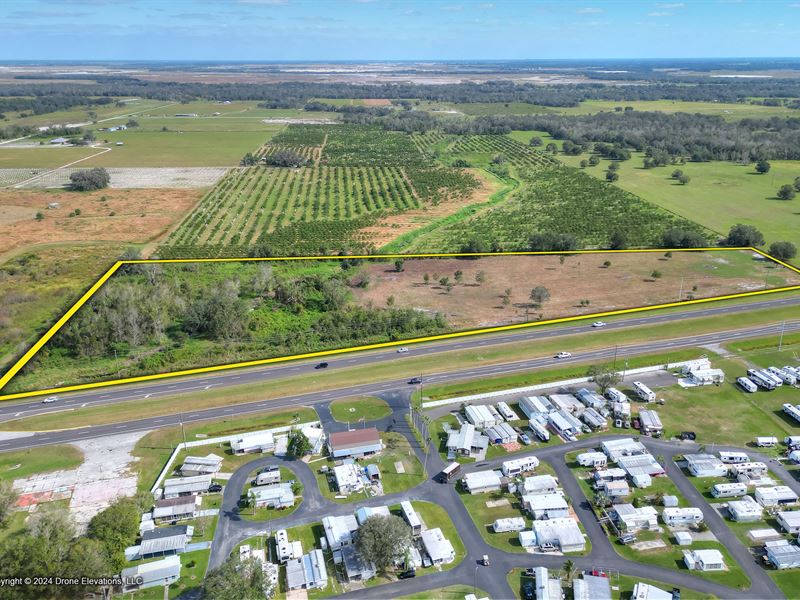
point(283, 308)
point(727, 110)
point(563, 200)
point(36, 286)
point(352, 184)
point(135, 216)
point(719, 195)
point(80, 114)
point(46, 157)
point(122, 177)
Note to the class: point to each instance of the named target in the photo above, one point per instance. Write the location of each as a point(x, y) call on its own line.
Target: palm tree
point(569, 570)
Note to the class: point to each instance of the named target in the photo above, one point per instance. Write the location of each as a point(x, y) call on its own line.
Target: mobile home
point(507, 412)
point(540, 430)
point(748, 385)
point(644, 392)
point(728, 490)
point(733, 457)
point(783, 375)
point(615, 395)
point(761, 380)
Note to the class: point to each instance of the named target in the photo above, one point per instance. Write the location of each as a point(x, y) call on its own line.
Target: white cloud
point(659, 14)
point(589, 10)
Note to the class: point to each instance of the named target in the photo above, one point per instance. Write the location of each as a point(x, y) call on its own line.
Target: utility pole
point(614, 366)
point(183, 431)
point(780, 340)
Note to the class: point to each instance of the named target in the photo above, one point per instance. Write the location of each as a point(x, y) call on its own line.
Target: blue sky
point(266, 30)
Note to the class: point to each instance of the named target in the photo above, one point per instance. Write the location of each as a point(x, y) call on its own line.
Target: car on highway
point(322, 365)
point(564, 355)
point(402, 350)
point(49, 399)
point(414, 381)
point(599, 324)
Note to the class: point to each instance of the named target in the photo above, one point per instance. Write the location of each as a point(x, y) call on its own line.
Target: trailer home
point(540, 430)
point(792, 411)
point(644, 392)
point(730, 458)
point(766, 441)
point(506, 412)
point(594, 460)
point(785, 376)
point(761, 380)
point(728, 490)
point(517, 466)
point(748, 385)
point(615, 395)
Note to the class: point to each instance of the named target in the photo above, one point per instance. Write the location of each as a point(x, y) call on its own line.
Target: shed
point(683, 538)
point(355, 443)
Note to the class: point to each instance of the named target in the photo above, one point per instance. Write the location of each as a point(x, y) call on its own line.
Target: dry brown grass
point(136, 216)
point(626, 283)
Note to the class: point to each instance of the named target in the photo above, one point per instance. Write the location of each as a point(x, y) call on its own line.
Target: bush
point(88, 180)
point(782, 250)
point(285, 158)
point(744, 235)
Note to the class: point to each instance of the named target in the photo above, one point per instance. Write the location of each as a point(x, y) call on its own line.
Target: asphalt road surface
point(170, 387)
point(599, 355)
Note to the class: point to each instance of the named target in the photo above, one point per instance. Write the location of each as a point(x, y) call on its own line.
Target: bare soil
point(136, 216)
point(626, 283)
point(377, 102)
point(393, 226)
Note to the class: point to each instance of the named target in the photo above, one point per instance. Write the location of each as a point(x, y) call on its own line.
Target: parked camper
point(728, 490)
point(761, 380)
point(783, 375)
point(540, 430)
point(767, 373)
point(766, 441)
point(450, 472)
point(747, 385)
point(506, 412)
point(793, 370)
point(615, 395)
point(731, 458)
point(644, 392)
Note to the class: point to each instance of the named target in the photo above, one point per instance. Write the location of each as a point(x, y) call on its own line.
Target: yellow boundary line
point(115, 267)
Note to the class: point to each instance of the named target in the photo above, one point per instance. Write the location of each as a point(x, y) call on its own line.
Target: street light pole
point(780, 340)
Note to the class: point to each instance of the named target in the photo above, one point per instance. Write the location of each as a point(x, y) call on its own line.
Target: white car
point(564, 355)
point(49, 399)
point(402, 350)
point(599, 324)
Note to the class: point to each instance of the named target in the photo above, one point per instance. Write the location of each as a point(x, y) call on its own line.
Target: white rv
point(644, 392)
point(747, 385)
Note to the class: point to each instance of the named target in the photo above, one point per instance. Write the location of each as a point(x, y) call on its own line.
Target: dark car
point(414, 381)
point(215, 487)
point(407, 574)
point(322, 365)
point(528, 590)
point(688, 435)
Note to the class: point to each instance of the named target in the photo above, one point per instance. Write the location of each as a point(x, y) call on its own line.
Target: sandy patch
point(626, 283)
point(393, 226)
point(377, 102)
point(125, 215)
point(11, 214)
point(103, 477)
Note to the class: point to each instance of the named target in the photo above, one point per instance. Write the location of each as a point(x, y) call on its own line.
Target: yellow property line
point(86, 386)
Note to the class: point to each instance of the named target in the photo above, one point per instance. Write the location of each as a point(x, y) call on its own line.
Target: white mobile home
point(707, 376)
point(766, 441)
point(705, 465)
point(482, 416)
point(594, 420)
point(565, 424)
point(747, 384)
point(506, 525)
point(792, 411)
point(467, 441)
point(704, 560)
point(775, 495)
point(591, 399)
point(682, 516)
point(546, 506)
point(785, 376)
point(644, 392)
point(563, 533)
point(745, 510)
point(762, 379)
point(258, 441)
point(539, 484)
point(507, 412)
point(566, 403)
point(749, 469)
point(650, 423)
point(540, 430)
point(502, 433)
point(482, 482)
point(783, 554)
point(730, 458)
point(535, 405)
point(615, 395)
point(728, 490)
point(789, 520)
point(439, 548)
point(517, 466)
point(592, 459)
point(411, 516)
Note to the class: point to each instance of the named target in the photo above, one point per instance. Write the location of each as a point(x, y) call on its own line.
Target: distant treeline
point(297, 94)
point(42, 104)
point(694, 136)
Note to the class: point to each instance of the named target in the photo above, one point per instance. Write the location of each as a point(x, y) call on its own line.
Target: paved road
point(171, 387)
point(315, 398)
point(232, 530)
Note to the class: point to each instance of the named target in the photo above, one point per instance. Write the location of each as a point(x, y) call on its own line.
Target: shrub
point(90, 179)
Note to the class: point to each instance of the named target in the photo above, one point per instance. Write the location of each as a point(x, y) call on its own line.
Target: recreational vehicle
point(747, 385)
point(644, 392)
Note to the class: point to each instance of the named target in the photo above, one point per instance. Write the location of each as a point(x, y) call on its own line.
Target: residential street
point(232, 529)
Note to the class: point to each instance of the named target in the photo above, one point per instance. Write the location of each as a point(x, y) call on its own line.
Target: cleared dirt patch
point(393, 226)
point(136, 178)
point(628, 282)
point(106, 215)
point(377, 102)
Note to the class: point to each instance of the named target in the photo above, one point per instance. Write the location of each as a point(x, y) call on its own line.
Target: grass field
point(80, 114)
point(24, 463)
point(719, 195)
point(49, 158)
point(154, 449)
point(451, 592)
point(36, 286)
point(368, 408)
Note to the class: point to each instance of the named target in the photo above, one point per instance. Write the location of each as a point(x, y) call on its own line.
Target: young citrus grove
point(162, 317)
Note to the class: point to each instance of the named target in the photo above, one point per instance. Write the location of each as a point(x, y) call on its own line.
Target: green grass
point(310, 535)
point(724, 414)
point(788, 581)
point(191, 577)
point(80, 114)
point(483, 517)
point(265, 514)
point(43, 158)
point(368, 408)
point(451, 592)
point(154, 449)
point(719, 195)
point(175, 149)
point(397, 449)
point(23, 463)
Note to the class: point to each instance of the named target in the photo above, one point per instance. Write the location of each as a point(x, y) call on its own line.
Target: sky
point(330, 30)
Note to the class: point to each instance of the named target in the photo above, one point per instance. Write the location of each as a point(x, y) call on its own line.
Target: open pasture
point(41, 157)
point(80, 114)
